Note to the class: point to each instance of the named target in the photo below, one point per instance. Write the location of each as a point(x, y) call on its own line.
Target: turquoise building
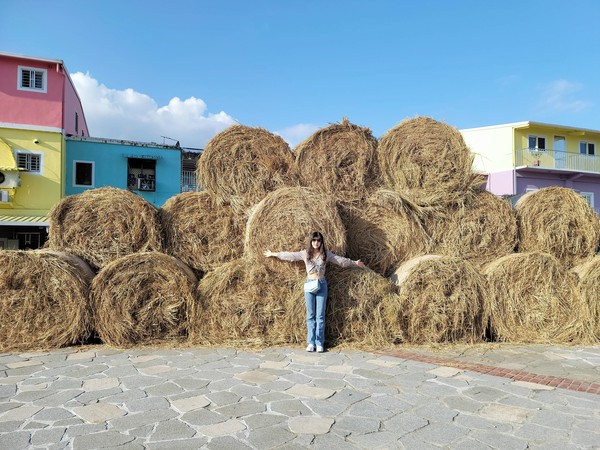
point(151, 170)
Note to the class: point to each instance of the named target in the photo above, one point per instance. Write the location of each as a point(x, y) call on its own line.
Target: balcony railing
point(554, 159)
point(188, 181)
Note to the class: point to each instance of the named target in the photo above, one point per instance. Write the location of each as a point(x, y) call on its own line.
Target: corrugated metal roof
point(13, 221)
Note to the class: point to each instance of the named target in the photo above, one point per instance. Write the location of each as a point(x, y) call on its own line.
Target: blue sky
point(187, 69)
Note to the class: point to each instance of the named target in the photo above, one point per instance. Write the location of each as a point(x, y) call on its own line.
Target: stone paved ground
point(99, 397)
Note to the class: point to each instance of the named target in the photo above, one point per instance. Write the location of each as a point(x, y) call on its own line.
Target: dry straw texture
point(440, 299)
point(558, 221)
point(201, 232)
point(101, 225)
point(283, 220)
point(384, 231)
point(240, 165)
point(481, 229)
point(534, 299)
point(589, 288)
point(143, 298)
point(244, 304)
point(339, 159)
point(43, 300)
point(427, 159)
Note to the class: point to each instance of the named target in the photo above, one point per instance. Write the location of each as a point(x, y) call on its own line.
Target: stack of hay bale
point(448, 261)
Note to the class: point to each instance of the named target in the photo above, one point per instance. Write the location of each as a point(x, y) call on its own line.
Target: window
point(536, 143)
point(29, 161)
point(141, 174)
point(76, 123)
point(32, 79)
point(589, 197)
point(587, 148)
point(29, 241)
point(84, 173)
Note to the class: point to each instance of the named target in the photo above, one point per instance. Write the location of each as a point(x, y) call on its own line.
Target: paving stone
point(203, 417)
point(156, 370)
point(371, 374)
point(435, 412)
point(310, 425)
point(140, 381)
point(148, 404)
point(230, 426)
point(33, 425)
point(590, 440)
point(143, 431)
point(223, 398)
point(120, 371)
point(105, 439)
point(273, 397)
point(537, 434)
point(469, 444)
point(356, 425)
point(262, 420)
point(296, 378)
point(21, 413)
point(331, 441)
point(131, 421)
point(534, 386)
point(329, 383)
point(280, 365)
point(270, 437)
point(414, 443)
point(83, 372)
point(500, 441)
point(366, 408)
point(381, 439)
point(290, 408)
point(59, 398)
point(226, 443)
point(278, 386)
point(15, 441)
point(23, 371)
point(99, 412)
point(7, 391)
point(479, 423)
point(190, 403)
point(94, 396)
point(183, 444)
point(256, 377)
point(505, 413)
point(445, 372)
point(224, 384)
point(462, 404)
point(164, 390)
point(99, 384)
point(325, 408)
point(404, 423)
point(191, 383)
point(20, 364)
point(172, 430)
point(48, 436)
point(53, 414)
point(303, 390)
point(9, 426)
point(242, 408)
point(33, 387)
point(86, 428)
point(31, 396)
point(440, 434)
point(8, 406)
point(79, 356)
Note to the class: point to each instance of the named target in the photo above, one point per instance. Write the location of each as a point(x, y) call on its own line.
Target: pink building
point(38, 92)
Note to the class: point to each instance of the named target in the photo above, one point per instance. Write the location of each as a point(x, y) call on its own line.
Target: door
point(560, 152)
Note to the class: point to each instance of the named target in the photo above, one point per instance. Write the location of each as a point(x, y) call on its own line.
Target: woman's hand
point(268, 253)
point(360, 264)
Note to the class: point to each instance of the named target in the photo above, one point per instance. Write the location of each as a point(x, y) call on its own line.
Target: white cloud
point(127, 114)
point(295, 134)
point(561, 95)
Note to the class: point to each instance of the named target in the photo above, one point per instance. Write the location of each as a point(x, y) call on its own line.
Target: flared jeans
point(316, 303)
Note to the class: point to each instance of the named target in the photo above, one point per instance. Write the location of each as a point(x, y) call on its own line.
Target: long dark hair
point(321, 251)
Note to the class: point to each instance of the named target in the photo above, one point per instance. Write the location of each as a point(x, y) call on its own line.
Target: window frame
point(587, 148)
point(30, 153)
point(44, 72)
point(80, 161)
point(136, 177)
point(536, 148)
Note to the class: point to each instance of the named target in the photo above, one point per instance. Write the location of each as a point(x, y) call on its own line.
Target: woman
point(315, 258)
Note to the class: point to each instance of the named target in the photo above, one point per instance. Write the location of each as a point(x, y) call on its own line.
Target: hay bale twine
point(200, 232)
point(340, 159)
point(43, 300)
point(534, 299)
point(283, 220)
point(440, 299)
point(101, 225)
point(588, 275)
point(481, 229)
point(427, 159)
point(143, 298)
point(240, 303)
point(241, 164)
point(558, 221)
point(384, 231)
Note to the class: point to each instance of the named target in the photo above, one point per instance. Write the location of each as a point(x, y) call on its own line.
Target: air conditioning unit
point(9, 179)
point(4, 197)
point(146, 185)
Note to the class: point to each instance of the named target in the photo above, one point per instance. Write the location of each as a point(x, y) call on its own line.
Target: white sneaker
point(320, 349)
point(310, 348)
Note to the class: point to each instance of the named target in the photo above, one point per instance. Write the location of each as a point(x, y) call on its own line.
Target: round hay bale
point(283, 220)
point(384, 231)
point(339, 159)
point(200, 232)
point(440, 299)
point(143, 298)
point(534, 299)
point(427, 159)
point(482, 229)
point(240, 165)
point(101, 225)
point(243, 304)
point(43, 300)
point(588, 275)
point(558, 221)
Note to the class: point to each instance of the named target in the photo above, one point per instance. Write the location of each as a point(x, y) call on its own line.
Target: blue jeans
point(316, 302)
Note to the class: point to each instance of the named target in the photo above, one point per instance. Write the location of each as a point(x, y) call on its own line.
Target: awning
point(24, 221)
point(7, 160)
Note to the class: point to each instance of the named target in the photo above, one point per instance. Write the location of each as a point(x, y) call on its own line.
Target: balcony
point(554, 159)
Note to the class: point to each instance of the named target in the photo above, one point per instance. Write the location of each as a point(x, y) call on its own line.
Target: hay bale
point(143, 298)
point(534, 299)
point(43, 300)
point(558, 221)
point(339, 159)
point(427, 159)
point(384, 231)
point(440, 299)
point(283, 220)
point(481, 229)
point(200, 232)
point(240, 165)
point(588, 275)
point(101, 225)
